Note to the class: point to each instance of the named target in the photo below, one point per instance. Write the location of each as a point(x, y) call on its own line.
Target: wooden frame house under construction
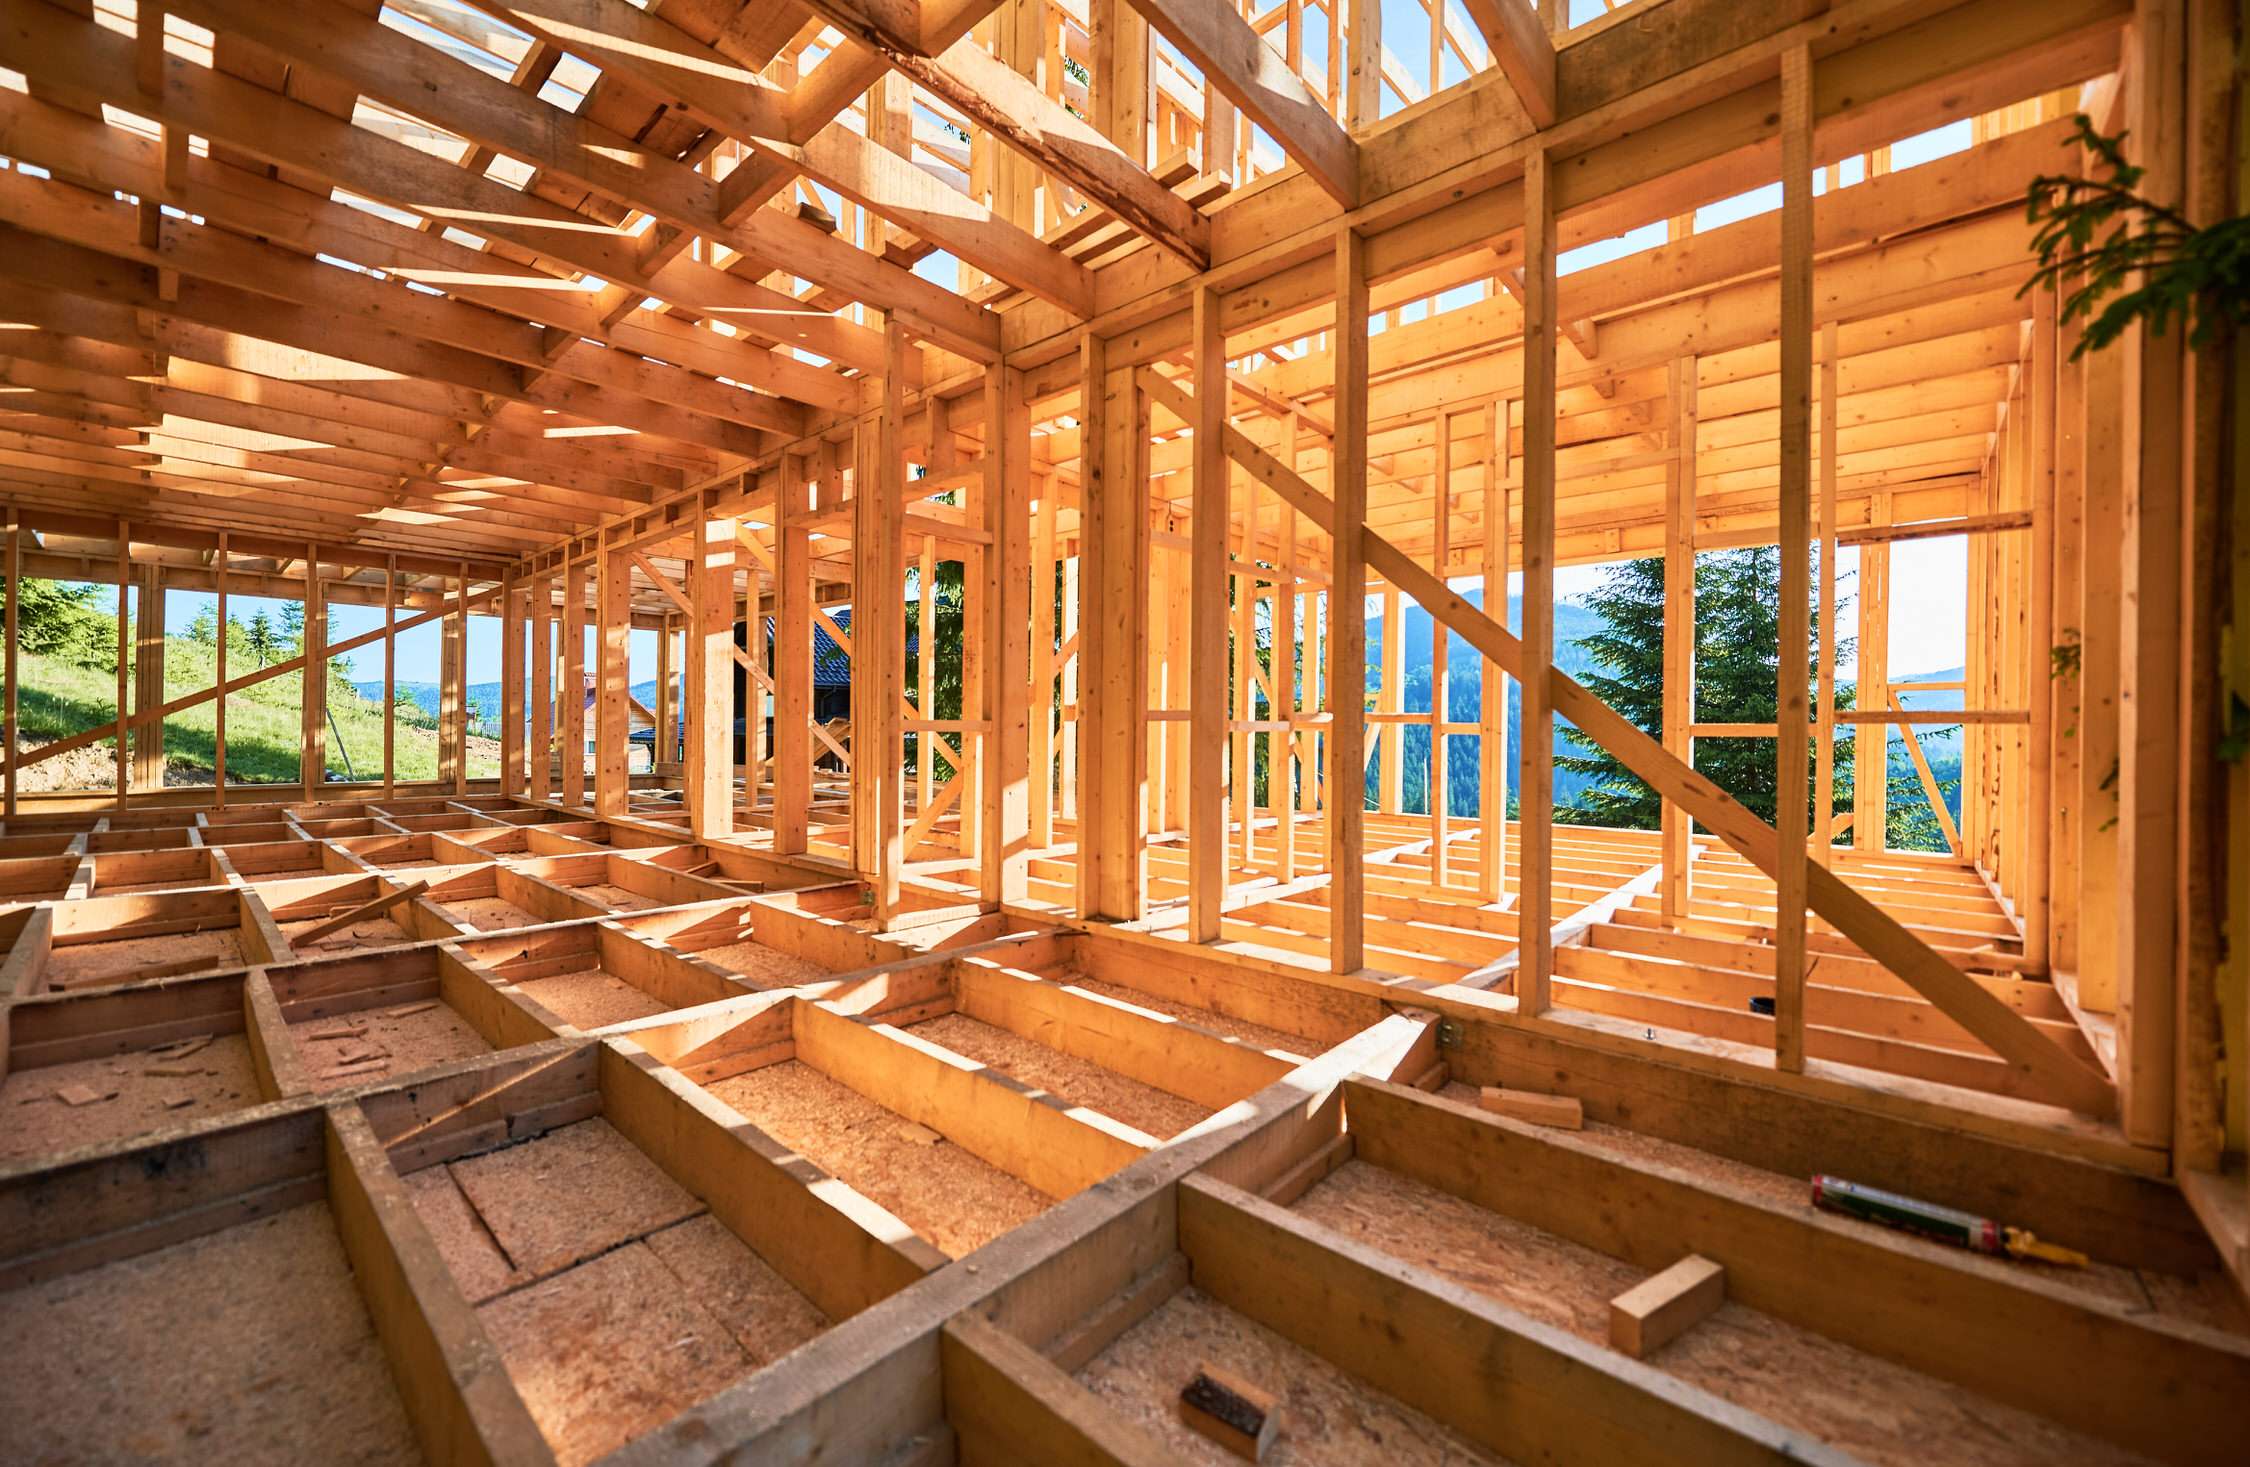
point(1099, 1046)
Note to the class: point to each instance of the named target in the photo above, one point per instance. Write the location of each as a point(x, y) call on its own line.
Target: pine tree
point(1737, 668)
point(260, 636)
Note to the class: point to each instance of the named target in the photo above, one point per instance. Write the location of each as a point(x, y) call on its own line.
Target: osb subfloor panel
point(1875, 1410)
point(245, 1346)
point(955, 1201)
point(86, 964)
point(614, 1299)
point(1327, 1416)
point(1066, 1076)
point(764, 967)
point(377, 931)
point(2209, 1299)
point(491, 914)
point(1242, 1030)
point(137, 1092)
point(396, 1039)
point(593, 998)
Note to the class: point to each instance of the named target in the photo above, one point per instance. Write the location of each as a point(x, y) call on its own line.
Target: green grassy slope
point(263, 729)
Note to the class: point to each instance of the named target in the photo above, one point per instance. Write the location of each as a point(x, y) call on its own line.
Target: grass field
point(263, 729)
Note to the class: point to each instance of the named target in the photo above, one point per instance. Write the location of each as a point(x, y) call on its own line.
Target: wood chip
point(1230, 1411)
point(82, 1095)
point(919, 1135)
point(181, 1048)
point(403, 1010)
point(341, 1031)
point(1561, 1111)
point(172, 1071)
point(177, 1101)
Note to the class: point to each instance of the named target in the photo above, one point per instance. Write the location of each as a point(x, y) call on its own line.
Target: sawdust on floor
point(1881, 1412)
point(765, 967)
point(1327, 1416)
point(91, 964)
point(617, 898)
point(956, 1201)
point(1069, 1078)
point(141, 1091)
point(592, 998)
point(401, 1038)
point(380, 930)
point(247, 1346)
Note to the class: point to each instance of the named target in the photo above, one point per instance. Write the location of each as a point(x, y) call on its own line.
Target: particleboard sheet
point(1258, 1035)
point(570, 1194)
point(246, 1346)
point(402, 1042)
point(592, 998)
point(380, 930)
point(1327, 1416)
point(1878, 1411)
point(610, 1349)
point(955, 1201)
point(491, 914)
point(764, 967)
point(34, 1122)
point(1066, 1076)
point(766, 1315)
point(92, 964)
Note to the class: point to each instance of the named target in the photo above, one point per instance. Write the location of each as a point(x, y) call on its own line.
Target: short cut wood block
point(1660, 1309)
point(1562, 1111)
point(1230, 1411)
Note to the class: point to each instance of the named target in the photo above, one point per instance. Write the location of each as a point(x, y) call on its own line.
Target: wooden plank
point(1676, 833)
point(219, 659)
point(124, 778)
point(312, 683)
point(709, 790)
point(1345, 694)
point(1536, 777)
point(9, 712)
point(512, 598)
point(1824, 685)
point(1007, 1402)
point(613, 692)
point(1208, 679)
point(570, 695)
point(1658, 1310)
point(1790, 809)
point(542, 751)
point(390, 674)
point(1004, 864)
point(793, 662)
point(1522, 51)
point(1113, 590)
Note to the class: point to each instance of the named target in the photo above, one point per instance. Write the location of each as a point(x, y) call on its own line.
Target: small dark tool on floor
point(1762, 1006)
point(1230, 1411)
point(1945, 1224)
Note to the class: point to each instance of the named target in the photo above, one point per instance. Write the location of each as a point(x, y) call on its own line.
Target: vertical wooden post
point(1112, 713)
point(8, 714)
point(613, 724)
point(1363, 88)
point(1121, 76)
point(1004, 864)
point(2068, 538)
point(511, 686)
point(1042, 756)
point(542, 688)
point(667, 696)
point(570, 696)
point(458, 684)
point(1824, 702)
point(1242, 806)
point(1347, 615)
point(312, 681)
point(1796, 448)
point(2038, 662)
point(709, 786)
point(451, 712)
point(219, 703)
point(1678, 831)
point(390, 674)
point(1492, 708)
point(878, 626)
point(1535, 898)
point(925, 673)
point(2100, 619)
point(1440, 637)
point(2149, 671)
point(1871, 768)
point(1281, 765)
point(1207, 623)
point(124, 659)
point(148, 676)
point(793, 663)
point(1390, 780)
